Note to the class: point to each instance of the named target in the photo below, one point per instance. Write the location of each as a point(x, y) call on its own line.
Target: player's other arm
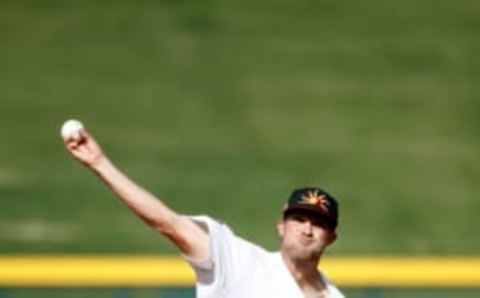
point(190, 238)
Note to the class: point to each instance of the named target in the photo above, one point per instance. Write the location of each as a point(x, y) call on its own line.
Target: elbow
point(165, 225)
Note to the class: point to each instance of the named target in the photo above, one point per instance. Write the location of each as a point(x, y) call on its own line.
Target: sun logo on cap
point(313, 198)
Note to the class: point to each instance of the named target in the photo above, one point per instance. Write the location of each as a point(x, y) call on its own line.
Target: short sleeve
point(217, 270)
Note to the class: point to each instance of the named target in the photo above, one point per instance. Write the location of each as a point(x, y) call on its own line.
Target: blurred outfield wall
point(148, 276)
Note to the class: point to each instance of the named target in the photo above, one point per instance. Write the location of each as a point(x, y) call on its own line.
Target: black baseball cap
point(314, 200)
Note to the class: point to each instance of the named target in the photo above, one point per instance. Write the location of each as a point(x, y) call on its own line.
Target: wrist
point(100, 164)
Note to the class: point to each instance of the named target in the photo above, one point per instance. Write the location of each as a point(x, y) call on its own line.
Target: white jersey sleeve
point(221, 268)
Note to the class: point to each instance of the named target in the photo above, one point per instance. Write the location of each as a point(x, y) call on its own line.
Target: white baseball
point(71, 129)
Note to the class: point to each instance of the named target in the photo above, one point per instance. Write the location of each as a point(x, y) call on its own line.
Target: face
point(304, 236)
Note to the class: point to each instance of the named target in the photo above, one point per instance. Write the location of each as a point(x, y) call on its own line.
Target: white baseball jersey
point(236, 268)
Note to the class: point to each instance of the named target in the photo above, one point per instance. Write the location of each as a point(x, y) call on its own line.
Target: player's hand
point(85, 149)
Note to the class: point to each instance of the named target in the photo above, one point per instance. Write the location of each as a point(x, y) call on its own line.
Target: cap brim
point(314, 211)
point(305, 207)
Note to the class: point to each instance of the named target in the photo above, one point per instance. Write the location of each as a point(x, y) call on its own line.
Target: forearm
point(145, 205)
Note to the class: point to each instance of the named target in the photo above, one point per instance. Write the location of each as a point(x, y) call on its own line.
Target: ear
point(332, 237)
point(281, 227)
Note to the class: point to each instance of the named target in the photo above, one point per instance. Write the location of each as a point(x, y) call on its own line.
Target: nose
point(307, 228)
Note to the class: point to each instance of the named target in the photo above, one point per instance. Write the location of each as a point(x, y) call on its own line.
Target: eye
point(320, 223)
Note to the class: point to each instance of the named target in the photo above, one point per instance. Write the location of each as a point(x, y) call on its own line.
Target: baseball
point(71, 129)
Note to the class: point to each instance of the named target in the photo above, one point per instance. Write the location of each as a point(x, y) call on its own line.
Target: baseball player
point(227, 266)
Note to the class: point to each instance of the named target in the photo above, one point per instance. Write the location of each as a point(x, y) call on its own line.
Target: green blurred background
point(223, 107)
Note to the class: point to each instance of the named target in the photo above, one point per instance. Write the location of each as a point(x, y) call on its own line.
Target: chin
point(305, 254)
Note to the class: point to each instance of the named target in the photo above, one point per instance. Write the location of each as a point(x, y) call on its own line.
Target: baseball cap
point(314, 200)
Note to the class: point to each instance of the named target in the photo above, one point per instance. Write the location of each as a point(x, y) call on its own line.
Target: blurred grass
point(223, 107)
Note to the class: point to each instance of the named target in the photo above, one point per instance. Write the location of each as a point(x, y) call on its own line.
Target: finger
point(84, 133)
point(71, 143)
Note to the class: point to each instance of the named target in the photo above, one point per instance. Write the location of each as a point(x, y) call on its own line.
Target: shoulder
point(217, 228)
point(208, 223)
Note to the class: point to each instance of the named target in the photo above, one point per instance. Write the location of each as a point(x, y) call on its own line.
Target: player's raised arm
point(191, 239)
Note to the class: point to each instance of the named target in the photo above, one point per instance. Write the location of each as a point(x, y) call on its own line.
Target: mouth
point(305, 240)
